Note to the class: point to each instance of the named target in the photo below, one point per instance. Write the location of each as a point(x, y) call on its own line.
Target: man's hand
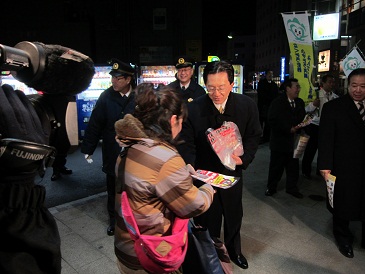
point(237, 159)
point(325, 173)
point(316, 103)
point(294, 129)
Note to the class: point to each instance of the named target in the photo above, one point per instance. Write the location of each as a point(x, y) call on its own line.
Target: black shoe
point(296, 194)
point(65, 170)
point(346, 250)
point(307, 176)
point(240, 260)
point(55, 176)
point(269, 192)
point(110, 230)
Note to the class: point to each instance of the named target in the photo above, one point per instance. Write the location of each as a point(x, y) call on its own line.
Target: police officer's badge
point(181, 61)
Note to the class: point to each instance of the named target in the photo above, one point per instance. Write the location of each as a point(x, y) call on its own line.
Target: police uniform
point(109, 108)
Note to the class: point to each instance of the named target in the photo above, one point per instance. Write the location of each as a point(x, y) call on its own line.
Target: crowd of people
point(165, 130)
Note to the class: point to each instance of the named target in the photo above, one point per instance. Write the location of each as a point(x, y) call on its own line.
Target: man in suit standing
point(285, 114)
point(315, 108)
point(341, 153)
point(267, 91)
point(196, 150)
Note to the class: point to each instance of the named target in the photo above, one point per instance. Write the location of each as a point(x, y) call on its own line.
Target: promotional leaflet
point(215, 179)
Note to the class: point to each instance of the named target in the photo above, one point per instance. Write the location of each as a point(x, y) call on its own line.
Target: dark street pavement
point(86, 180)
point(280, 234)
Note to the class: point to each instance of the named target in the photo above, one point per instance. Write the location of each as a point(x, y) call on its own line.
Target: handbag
point(201, 256)
point(157, 254)
point(223, 256)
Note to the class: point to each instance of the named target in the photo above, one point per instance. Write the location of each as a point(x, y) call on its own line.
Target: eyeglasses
point(118, 78)
point(221, 90)
point(184, 70)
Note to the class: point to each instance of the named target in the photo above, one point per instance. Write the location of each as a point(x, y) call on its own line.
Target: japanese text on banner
point(301, 51)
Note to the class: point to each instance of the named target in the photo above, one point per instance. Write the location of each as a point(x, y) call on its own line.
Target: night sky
point(219, 21)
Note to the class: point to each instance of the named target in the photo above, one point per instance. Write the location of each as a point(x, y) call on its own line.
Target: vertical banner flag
point(301, 51)
point(352, 60)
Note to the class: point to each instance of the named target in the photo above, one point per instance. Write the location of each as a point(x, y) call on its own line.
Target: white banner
point(352, 61)
point(297, 28)
point(301, 52)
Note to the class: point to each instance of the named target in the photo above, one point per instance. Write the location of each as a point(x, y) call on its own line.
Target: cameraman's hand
point(88, 158)
point(18, 118)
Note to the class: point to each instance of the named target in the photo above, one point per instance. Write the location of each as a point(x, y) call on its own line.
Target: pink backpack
point(157, 254)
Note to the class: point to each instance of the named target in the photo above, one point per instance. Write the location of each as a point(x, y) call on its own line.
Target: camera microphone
point(52, 69)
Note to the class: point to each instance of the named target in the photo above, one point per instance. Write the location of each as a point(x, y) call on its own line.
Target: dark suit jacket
point(196, 150)
point(266, 93)
point(281, 119)
point(193, 91)
point(341, 149)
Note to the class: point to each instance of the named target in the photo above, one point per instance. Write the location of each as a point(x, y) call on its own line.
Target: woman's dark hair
point(216, 67)
point(154, 108)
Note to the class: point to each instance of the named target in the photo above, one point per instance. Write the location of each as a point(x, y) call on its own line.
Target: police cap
point(183, 62)
point(120, 68)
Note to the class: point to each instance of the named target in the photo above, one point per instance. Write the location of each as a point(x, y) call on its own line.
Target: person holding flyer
point(341, 159)
point(286, 118)
point(220, 104)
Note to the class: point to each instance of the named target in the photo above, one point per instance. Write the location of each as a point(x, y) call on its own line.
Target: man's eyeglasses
point(118, 78)
point(184, 70)
point(211, 90)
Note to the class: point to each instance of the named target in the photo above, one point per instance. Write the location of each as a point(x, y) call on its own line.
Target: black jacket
point(281, 119)
point(109, 108)
point(191, 93)
point(266, 93)
point(341, 149)
point(196, 150)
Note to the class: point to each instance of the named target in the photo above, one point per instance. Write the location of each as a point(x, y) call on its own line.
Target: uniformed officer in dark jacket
point(112, 105)
point(185, 83)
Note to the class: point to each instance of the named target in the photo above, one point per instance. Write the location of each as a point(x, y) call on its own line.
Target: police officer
point(185, 83)
point(112, 104)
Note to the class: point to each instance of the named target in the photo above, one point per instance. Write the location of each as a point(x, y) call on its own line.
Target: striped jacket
point(158, 186)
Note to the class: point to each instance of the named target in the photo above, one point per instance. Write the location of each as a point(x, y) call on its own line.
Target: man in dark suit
point(196, 150)
point(341, 153)
point(285, 114)
point(267, 91)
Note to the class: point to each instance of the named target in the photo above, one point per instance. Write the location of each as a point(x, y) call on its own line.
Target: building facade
point(272, 43)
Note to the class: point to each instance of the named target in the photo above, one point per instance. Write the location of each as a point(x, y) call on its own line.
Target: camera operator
point(30, 241)
point(58, 104)
point(29, 236)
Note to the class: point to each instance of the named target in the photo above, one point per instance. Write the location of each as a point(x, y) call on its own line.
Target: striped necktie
point(328, 96)
point(292, 104)
point(361, 110)
point(221, 110)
